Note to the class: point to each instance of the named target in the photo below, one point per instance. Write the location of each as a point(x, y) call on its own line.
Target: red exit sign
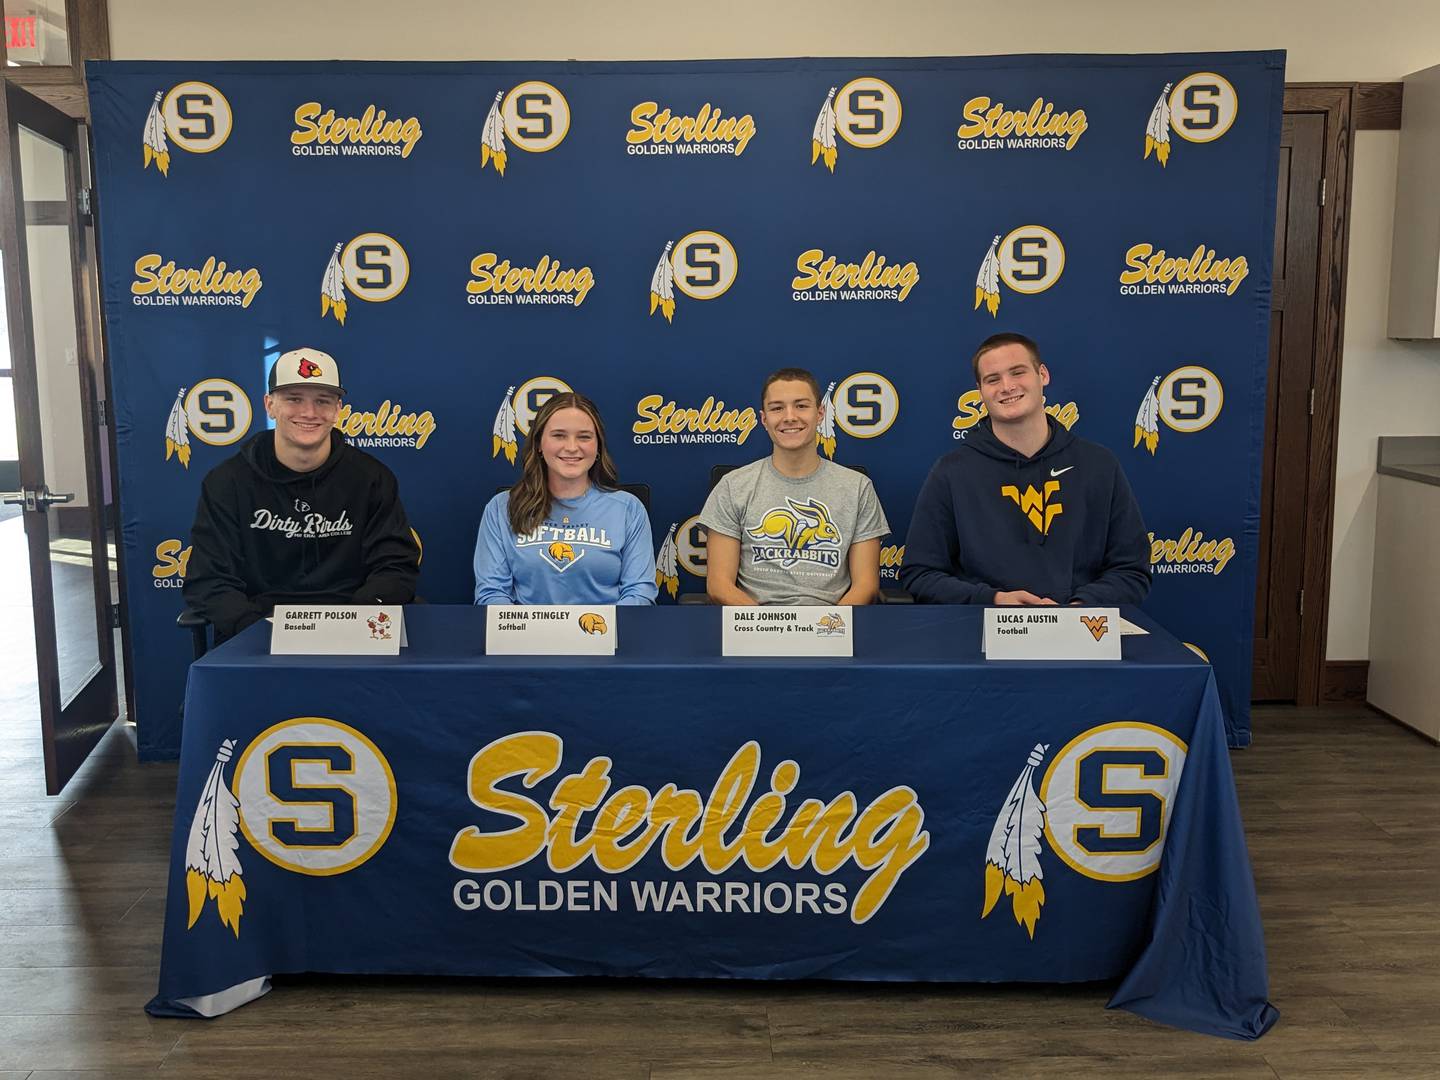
point(20, 32)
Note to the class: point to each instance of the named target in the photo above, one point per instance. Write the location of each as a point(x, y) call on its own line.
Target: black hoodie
point(267, 535)
point(1062, 524)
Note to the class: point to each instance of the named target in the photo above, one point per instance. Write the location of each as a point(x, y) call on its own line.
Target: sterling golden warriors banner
point(467, 239)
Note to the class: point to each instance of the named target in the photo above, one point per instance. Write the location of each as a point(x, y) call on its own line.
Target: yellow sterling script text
point(387, 420)
point(372, 126)
point(657, 414)
point(817, 270)
point(547, 276)
point(211, 278)
point(1148, 265)
point(995, 121)
point(707, 126)
point(885, 837)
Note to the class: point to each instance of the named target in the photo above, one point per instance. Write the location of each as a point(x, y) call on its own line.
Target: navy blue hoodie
point(1062, 524)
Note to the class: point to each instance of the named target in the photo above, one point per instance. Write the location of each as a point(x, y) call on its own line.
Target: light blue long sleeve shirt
point(596, 549)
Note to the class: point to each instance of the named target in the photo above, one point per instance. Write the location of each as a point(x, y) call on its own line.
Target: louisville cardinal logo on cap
point(305, 367)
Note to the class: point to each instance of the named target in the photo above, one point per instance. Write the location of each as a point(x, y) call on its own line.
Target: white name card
point(1052, 633)
point(787, 631)
point(550, 630)
point(338, 630)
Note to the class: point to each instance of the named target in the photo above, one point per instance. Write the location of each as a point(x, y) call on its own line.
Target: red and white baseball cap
point(305, 367)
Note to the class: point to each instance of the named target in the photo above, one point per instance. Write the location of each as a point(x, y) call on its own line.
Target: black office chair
point(199, 628)
point(887, 595)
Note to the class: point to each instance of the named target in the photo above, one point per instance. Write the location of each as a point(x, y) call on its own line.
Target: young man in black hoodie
point(299, 515)
point(1023, 512)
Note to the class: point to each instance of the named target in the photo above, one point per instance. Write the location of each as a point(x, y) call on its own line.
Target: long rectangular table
point(913, 813)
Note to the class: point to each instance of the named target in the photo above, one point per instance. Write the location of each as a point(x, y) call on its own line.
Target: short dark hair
point(790, 374)
point(995, 341)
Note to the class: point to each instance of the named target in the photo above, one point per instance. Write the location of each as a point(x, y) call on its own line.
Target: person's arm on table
point(864, 563)
point(1125, 575)
point(494, 579)
point(213, 585)
point(722, 564)
point(392, 561)
point(932, 551)
point(637, 558)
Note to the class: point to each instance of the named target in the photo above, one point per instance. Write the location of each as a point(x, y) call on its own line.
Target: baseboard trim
point(1344, 682)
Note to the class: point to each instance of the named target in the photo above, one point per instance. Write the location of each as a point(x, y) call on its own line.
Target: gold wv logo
point(1098, 625)
point(1036, 505)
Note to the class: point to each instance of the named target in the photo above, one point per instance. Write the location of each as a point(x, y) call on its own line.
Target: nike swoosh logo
point(1057, 472)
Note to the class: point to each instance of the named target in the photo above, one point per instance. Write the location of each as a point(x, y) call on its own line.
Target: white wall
point(1386, 388)
point(1334, 40)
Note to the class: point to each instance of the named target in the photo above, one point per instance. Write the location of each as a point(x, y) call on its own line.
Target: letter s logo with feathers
point(195, 115)
point(374, 266)
point(1029, 259)
point(1199, 108)
point(865, 113)
point(1103, 806)
point(534, 115)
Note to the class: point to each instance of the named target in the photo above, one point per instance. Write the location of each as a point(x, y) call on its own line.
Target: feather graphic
point(1147, 420)
point(825, 434)
point(332, 288)
point(1157, 131)
point(822, 141)
point(1012, 859)
point(987, 282)
point(667, 565)
point(177, 431)
point(492, 139)
point(504, 429)
point(662, 285)
point(156, 148)
point(212, 870)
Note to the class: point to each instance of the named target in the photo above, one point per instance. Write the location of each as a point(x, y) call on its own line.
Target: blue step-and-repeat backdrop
point(467, 238)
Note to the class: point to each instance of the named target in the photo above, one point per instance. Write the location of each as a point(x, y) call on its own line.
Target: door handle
point(37, 500)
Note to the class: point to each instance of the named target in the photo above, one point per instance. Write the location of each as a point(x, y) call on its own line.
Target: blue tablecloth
point(914, 813)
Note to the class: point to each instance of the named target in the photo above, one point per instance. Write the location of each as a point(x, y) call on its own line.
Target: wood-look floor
point(1343, 814)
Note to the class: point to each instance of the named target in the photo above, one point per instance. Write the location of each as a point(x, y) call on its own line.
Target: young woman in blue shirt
point(564, 533)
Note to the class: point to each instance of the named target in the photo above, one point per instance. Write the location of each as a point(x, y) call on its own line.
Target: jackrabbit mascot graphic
point(797, 528)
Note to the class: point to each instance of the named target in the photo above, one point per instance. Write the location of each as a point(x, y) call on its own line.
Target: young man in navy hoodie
point(299, 515)
point(1024, 512)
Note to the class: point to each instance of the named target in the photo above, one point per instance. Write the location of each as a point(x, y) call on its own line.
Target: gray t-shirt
point(795, 534)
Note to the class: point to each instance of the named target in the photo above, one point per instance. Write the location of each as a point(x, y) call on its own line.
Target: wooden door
point(43, 262)
point(1288, 408)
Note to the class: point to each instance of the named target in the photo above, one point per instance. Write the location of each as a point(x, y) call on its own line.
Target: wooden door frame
point(64, 750)
point(1336, 102)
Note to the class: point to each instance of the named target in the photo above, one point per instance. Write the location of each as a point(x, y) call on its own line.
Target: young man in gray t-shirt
point(793, 528)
